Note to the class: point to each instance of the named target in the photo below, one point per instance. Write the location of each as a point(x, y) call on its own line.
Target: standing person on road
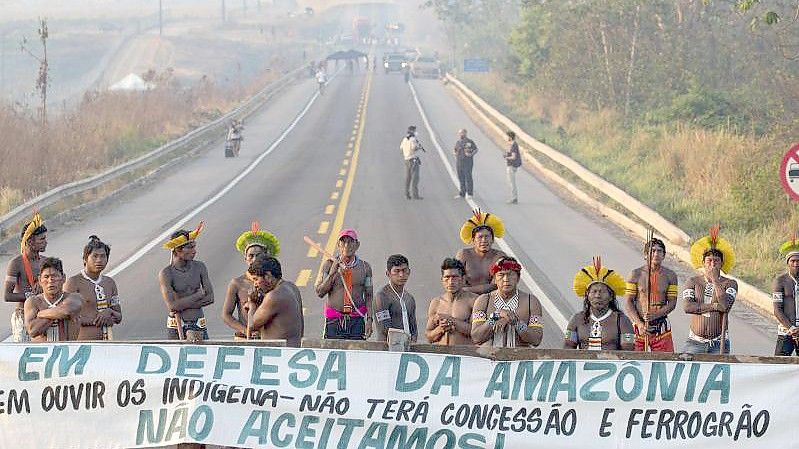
point(412, 152)
point(100, 309)
point(22, 276)
point(784, 295)
point(709, 296)
point(52, 314)
point(346, 282)
point(479, 231)
point(649, 311)
point(464, 151)
point(514, 160)
point(321, 79)
point(449, 315)
point(600, 325)
point(185, 288)
point(395, 307)
point(251, 244)
point(507, 317)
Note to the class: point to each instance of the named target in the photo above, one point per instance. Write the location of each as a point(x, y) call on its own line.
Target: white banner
point(125, 396)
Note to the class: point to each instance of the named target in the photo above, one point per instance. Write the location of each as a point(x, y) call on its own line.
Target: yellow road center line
point(349, 145)
point(342, 172)
point(329, 209)
point(303, 278)
point(334, 196)
point(339, 183)
point(323, 226)
point(312, 252)
point(338, 222)
point(345, 162)
point(348, 153)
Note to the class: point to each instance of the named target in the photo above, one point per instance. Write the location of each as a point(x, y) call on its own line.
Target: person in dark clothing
point(464, 151)
point(514, 160)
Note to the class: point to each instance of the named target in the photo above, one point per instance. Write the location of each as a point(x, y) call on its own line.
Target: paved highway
point(317, 163)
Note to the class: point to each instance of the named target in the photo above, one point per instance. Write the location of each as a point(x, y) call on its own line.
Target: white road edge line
point(528, 280)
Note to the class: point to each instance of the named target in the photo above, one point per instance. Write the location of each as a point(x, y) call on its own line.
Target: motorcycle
point(233, 139)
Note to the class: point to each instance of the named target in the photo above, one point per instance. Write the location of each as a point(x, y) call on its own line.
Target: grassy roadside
point(693, 176)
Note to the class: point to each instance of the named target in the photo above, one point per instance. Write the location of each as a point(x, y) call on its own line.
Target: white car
point(426, 67)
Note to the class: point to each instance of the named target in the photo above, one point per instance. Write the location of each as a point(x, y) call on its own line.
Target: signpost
point(789, 172)
point(478, 65)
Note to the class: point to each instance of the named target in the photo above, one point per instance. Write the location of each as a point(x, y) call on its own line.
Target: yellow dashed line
point(329, 209)
point(348, 153)
point(345, 162)
point(349, 145)
point(303, 278)
point(342, 172)
point(312, 252)
point(339, 183)
point(334, 196)
point(323, 227)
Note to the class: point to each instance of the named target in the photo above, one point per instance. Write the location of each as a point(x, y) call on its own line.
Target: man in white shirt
point(412, 152)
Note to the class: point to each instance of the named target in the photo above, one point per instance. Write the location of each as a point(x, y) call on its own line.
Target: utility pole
point(160, 18)
point(43, 80)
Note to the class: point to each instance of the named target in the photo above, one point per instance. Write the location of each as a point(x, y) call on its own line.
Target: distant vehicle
point(396, 27)
point(308, 11)
point(793, 172)
point(426, 67)
point(394, 62)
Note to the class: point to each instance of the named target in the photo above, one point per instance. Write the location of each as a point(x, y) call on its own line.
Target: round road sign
point(789, 172)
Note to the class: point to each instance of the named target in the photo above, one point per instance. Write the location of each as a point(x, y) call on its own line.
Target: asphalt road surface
point(318, 163)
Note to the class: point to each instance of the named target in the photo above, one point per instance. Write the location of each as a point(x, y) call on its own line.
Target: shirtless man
point(23, 273)
point(395, 307)
point(346, 285)
point(709, 296)
point(52, 315)
point(784, 294)
point(449, 315)
point(649, 312)
point(185, 288)
point(100, 308)
point(507, 317)
point(277, 303)
point(480, 231)
point(251, 244)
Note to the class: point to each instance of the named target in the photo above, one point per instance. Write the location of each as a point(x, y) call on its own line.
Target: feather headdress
point(257, 237)
point(480, 220)
point(594, 273)
point(713, 241)
point(181, 240)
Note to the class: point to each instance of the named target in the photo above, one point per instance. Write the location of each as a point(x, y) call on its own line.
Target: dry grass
point(695, 177)
point(104, 130)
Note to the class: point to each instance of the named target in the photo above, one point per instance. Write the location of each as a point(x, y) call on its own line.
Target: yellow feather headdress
point(31, 227)
point(597, 273)
point(713, 241)
point(482, 220)
point(256, 237)
point(181, 240)
point(790, 248)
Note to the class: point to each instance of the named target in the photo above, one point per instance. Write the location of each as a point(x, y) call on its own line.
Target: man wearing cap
point(412, 153)
point(251, 244)
point(784, 294)
point(346, 285)
point(185, 288)
point(650, 294)
point(480, 231)
point(23, 273)
point(709, 296)
point(464, 151)
point(507, 317)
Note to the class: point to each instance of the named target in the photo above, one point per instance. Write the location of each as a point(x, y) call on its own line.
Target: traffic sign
point(789, 172)
point(475, 65)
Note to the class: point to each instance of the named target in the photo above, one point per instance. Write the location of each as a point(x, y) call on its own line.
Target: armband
point(478, 317)
point(777, 297)
point(732, 292)
point(688, 293)
point(520, 327)
point(535, 322)
point(628, 338)
point(383, 315)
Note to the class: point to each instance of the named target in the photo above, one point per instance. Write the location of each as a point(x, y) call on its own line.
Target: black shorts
point(346, 328)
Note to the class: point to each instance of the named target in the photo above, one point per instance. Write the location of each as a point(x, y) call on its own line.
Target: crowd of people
point(481, 301)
